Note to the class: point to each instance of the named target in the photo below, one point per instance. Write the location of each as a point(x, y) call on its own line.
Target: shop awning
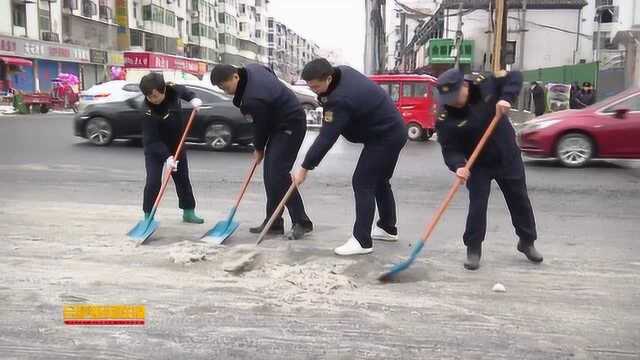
point(16, 61)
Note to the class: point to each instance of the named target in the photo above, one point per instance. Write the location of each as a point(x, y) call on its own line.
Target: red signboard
point(7, 45)
point(149, 60)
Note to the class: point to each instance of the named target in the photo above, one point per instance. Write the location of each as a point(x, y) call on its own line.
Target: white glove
point(171, 163)
point(196, 103)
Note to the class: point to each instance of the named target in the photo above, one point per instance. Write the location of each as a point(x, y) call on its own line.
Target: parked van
point(415, 98)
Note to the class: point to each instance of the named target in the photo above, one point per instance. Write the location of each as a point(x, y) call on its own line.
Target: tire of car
point(574, 150)
point(44, 109)
point(415, 132)
point(99, 131)
point(218, 136)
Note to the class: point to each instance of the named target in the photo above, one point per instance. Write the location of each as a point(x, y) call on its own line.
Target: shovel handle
point(245, 184)
point(456, 185)
point(167, 176)
point(276, 213)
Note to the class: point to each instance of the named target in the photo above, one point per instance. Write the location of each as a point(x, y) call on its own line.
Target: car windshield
point(606, 104)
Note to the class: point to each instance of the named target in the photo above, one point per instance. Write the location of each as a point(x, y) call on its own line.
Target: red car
point(414, 96)
point(608, 129)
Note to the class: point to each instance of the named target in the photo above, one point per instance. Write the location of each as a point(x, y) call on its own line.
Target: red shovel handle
point(454, 188)
point(247, 179)
point(167, 176)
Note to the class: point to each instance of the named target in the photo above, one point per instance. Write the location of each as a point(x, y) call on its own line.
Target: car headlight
point(541, 125)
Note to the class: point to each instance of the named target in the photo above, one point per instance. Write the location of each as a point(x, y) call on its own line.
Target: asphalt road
point(65, 206)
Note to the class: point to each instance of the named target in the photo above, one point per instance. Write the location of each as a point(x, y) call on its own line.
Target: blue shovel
point(223, 229)
point(145, 228)
point(397, 268)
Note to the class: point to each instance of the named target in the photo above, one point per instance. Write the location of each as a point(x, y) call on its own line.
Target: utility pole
point(499, 35)
point(374, 52)
point(459, 38)
point(523, 32)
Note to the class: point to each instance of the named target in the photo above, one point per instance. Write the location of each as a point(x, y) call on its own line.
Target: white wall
point(7, 23)
point(544, 47)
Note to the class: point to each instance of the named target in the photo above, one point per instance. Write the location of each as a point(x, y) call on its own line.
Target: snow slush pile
point(304, 283)
point(188, 252)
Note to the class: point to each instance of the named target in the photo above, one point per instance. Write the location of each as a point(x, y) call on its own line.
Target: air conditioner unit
point(139, 24)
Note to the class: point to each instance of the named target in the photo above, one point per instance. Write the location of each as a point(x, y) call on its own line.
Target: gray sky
point(332, 24)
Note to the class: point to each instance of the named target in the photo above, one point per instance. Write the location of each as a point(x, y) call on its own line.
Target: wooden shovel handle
point(456, 185)
point(276, 213)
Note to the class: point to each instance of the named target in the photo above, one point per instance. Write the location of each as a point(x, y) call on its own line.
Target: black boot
point(473, 257)
point(530, 251)
point(299, 229)
point(277, 228)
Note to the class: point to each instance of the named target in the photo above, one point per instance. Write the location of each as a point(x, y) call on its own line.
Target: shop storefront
point(32, 64)
point(174, 68)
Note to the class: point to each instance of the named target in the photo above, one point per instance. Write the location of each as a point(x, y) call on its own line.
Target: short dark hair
point(222, 73)
point(152, 81)
point(318, 69)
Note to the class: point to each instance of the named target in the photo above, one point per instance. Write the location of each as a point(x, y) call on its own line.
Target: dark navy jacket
point(271, 104)
point(459, 130)
point(163, 124)
point(356, 108)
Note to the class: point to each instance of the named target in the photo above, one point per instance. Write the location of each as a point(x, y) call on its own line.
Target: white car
point(110, 91)
point(121, 90)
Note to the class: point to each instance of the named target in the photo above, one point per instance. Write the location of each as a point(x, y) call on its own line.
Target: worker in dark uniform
point(537, 93)
point(280, 125)
point(362, 112)
point(162, 129)
point(585, 96)
point(467, 107)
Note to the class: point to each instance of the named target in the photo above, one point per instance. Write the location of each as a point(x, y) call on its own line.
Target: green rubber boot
point(189, 216)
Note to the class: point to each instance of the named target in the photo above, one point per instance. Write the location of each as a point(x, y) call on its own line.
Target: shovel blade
point(402, 266)
point(143, 230)
point(221, 232)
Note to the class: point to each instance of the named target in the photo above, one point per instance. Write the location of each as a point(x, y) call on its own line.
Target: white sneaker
point(352, 247)
point(380, 234)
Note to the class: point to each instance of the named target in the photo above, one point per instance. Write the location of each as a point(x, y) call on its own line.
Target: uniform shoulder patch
point(328, 116)
point(500, 73)
point(462, 123)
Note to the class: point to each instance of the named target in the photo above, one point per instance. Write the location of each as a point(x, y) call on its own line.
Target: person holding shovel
point(467, 107)
point(280, 125)
point(162, 128)
point(362, 112)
